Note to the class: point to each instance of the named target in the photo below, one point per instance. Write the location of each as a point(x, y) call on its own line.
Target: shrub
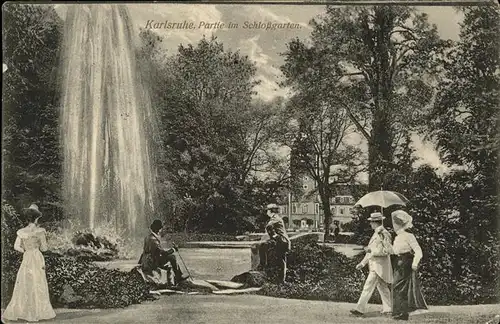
point(320, 273)
point(94, 287)
point(180, 238)
point(11, 222)
point(454, 221)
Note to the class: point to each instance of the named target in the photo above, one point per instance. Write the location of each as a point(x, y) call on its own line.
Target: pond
point(203, 263)
point(216, 263)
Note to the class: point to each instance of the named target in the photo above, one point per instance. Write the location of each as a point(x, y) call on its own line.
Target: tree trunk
point(324, 194)
point(380, 150)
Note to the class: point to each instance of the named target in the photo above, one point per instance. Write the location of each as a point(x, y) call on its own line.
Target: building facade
point(307, 213)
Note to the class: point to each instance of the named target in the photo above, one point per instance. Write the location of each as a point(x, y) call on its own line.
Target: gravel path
point(184, 309)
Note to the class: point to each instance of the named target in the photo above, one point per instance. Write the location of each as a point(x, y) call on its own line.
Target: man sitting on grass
point(155, 258)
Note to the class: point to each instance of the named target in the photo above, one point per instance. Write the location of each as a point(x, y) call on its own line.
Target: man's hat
point(272, 206)
point(156, 224)
point(374, 217)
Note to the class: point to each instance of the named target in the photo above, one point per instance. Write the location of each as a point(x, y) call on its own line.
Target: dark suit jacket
point(277, 226)
point(153, 255)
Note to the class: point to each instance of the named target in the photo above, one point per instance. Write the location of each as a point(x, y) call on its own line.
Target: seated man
point(278, 243)
point(155, 258)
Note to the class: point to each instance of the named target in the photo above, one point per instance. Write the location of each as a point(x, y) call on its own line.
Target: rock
point(159, 279)
point(165, 291)
point(237, 291)
point(251, 279)
point(197, 284)
point(85, 239)
point(96, 242)
point(225, 284)
point(105, 243)
point(89, 247)
point(68, 295)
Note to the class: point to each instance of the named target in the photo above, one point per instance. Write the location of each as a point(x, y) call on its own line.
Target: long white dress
point(30, 299)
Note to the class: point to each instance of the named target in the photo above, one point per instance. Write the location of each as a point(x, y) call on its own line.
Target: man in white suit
point(378, 259)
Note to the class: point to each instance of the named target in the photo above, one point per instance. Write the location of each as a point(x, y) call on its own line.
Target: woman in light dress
point(30, 299)
point(406, 293)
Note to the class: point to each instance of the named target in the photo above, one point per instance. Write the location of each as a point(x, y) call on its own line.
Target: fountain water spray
point(106, 121)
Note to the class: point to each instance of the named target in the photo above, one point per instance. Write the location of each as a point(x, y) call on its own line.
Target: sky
point(263, 46)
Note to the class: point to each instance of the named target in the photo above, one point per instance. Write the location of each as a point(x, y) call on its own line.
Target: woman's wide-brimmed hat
point(33, 209)
point(402, 219)
point(374, 217)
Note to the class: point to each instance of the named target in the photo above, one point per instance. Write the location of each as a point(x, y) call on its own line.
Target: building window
point(341, 211)
point(285, 209)
point(304, 209)
point(316, 209)
point(337, 200)
point(294, 208)
point(304, 186)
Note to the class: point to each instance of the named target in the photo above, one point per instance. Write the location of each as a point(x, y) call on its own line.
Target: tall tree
point(264, 127)
point(385, 55)
point(31, 154)
point(204, 102)
point(465, 114)
point(325, 152)
point(322, 126)
point(464, 121)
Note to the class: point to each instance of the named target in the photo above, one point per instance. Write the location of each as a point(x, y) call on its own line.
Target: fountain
point(106, 122)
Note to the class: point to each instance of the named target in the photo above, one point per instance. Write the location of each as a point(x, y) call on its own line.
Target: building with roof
point(305, 213)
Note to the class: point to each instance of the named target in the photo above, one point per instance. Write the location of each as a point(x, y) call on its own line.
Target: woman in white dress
point(30, 299)
point(406, 292)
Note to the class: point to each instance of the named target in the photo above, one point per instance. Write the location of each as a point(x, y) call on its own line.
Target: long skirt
point(406, 293)
point(30, 299)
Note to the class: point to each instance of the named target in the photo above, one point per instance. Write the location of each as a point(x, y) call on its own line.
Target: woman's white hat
point(34, 208)
point(401, 220)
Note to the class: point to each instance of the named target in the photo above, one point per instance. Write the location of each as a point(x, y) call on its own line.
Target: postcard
point(250, 162)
